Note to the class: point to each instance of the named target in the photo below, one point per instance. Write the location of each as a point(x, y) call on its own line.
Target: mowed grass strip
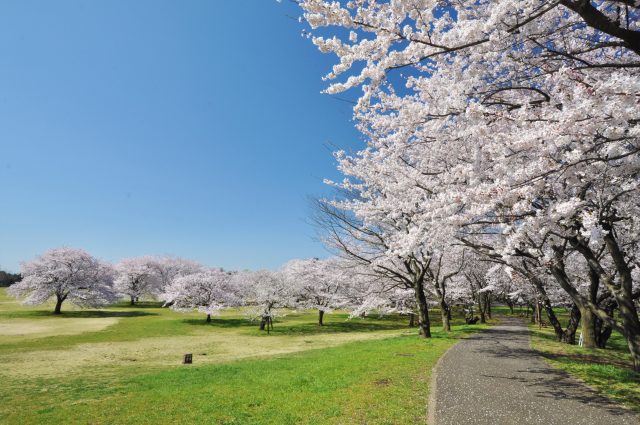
point(382, 382)
point(608, 371)
point(372, 370)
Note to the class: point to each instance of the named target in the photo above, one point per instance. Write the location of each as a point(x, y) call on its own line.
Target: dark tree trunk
point(321, 317)
point(603, 334)
point(569, 335)
point(59, 301)
point(208, 318)
point(488, 306)
point(633, 341)
point(423, 309)
point(481, 308)
point(133, 300)
point(602, 329)
point(621, 290)
point(548, 308)
point(533, 313)
point(631, 329)
point(263, 322)
point(553, 319)
point(412, 320)
point(445, 314)
point(539, 313)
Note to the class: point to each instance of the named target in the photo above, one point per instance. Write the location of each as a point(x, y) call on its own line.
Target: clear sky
point(191, 128)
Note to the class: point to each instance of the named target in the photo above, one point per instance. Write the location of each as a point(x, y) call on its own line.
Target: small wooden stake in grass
point(188, 358)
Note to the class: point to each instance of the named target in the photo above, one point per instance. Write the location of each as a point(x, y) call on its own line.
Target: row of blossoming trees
point(502, 157)
point(504, 130)
point(67, 274)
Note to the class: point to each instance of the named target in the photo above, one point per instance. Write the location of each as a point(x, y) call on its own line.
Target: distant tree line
point(7, 279)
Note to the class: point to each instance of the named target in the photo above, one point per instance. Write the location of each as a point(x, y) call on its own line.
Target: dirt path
point(494, 377)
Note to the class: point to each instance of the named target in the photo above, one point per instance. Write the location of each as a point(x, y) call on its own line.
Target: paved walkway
point(495, 378)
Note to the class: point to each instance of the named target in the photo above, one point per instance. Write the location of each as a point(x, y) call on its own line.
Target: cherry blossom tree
point(207, 291)
point(168, 268)
point(137, 277)
point(65, 274)
point(386, 300)
point(318, 284)
point(444, 267)
point(266, 291)
point(518, 120)
point(368, 245)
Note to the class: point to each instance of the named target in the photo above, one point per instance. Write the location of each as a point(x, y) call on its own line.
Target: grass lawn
point(608, 371)
point(122, 365)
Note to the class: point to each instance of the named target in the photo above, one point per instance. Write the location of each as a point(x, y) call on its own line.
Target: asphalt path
point(494, 377)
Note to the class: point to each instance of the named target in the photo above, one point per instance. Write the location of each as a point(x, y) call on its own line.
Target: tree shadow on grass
point(76, 314)
point(592, 359)
point(334, 324)
point(139, 304)
point(337, 327)
point(549, 336)
point(560, 384)
point(281, 327)
point(221, 322)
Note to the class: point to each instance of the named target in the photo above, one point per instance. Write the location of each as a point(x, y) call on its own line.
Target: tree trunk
point(569, 335)
point(59, 301)
point(633, 341)
point(603, 333)
point(587, 327)
point(623, 292)
point(482, 308)
point(133, 300)
point(546, 303)
point(631, 327)
point(539, 313)
point(320, 317)
point(423, 310)
point(412, 320)
point(263, 322)
point(488, 306)
point(208, 318)
point(603, 330)
point(444, 313)
point(533, 313)
point(553, 319)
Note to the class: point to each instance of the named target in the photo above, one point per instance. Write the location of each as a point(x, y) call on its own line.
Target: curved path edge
point(433, 385)
point(494, 377)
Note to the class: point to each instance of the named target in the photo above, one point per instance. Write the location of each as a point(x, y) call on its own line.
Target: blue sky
point(191, 128)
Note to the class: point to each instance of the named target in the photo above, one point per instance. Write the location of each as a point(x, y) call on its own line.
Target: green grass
point(608, 371)
point(372, 370)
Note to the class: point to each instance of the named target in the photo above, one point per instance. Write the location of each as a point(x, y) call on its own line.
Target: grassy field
point(608, 371)
point(122, 365)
